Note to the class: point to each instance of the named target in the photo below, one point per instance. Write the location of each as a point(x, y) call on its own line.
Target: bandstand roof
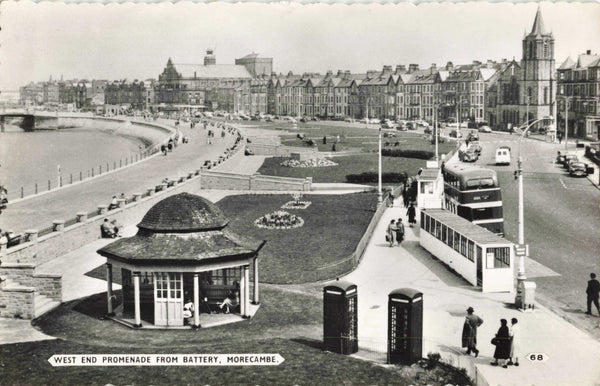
point(182, 229)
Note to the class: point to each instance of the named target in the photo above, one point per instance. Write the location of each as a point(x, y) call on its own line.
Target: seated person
point(188, 311)
point(113, 203)
point(106, 230)
point(116, 227)
point(231, 302)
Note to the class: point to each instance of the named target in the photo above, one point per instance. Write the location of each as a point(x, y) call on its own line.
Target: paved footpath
point(573, 357)
point(38, 212)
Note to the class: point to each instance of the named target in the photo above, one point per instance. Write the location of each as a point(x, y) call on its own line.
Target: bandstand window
point(443, 234)
point(450, 239)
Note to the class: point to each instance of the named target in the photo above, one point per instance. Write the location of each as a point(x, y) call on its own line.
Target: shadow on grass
point(313, 343)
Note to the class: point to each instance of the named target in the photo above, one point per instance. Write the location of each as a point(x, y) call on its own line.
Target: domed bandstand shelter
point(182, 252)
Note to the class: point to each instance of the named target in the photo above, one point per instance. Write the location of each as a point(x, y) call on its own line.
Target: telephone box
point(405, 326)
point(340, 318)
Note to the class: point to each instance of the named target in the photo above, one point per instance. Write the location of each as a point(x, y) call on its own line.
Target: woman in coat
point(515, 338)
point(502, 344)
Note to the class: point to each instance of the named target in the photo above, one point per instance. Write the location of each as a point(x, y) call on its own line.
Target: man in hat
point(469, 334)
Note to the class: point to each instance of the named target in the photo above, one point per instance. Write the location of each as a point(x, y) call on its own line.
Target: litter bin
point(405, 326)
point(340, 318)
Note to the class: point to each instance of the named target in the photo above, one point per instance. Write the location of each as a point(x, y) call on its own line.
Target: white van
point(503, 155)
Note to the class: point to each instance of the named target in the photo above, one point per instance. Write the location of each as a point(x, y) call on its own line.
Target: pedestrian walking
point(391, 199)
point(592, 291)
point(560, 137)
point(405, 196)
point(515, 339)
point(469, 333)
point(502, 342)
point(399, 231)
point(411, 212)
point(391, 233)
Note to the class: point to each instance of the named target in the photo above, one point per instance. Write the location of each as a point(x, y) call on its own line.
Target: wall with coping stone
point(281, 151)
point(233, 181)
point(17, 302)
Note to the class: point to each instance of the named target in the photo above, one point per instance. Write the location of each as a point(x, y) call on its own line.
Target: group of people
point(506, 339)
point(110, 229)
point(395, 229)
point(230, 304)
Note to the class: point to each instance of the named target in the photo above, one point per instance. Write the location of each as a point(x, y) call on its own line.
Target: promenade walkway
point(572, 355)
point(39, 211)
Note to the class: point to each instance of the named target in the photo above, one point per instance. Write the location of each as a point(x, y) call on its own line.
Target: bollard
point(36, 188)
point(102, 209)
point(71, 178)
point(150, 191)
point(136, 197)
point(120, 163)
point(80, 176)
point(120, 202)
point(21, 192)
point(107, 168)
point(60, 181)
point(115, 165)
point(99, 169)
point(48, 184)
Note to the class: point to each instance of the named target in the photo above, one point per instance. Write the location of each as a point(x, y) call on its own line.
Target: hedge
point(373, 177)
point(421, 154)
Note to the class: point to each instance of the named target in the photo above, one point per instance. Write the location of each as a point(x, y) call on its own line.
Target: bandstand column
point(196, 301)
point(136, 298)
point(109, 293)
point(243, 285)
point(246, 300)
point(255, 296)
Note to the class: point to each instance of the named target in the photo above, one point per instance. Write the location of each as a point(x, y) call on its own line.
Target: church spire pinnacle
point(538, 24)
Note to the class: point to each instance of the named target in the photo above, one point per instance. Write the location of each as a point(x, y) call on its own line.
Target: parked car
point(387, 124)
point(580, 169)
point(485, 129)
point(454, 133)
point(475, 146)
point(304, 119)
point(349, 120)
point(565, 158)
point(427, 130)
point(468, 155)
point(375, 121)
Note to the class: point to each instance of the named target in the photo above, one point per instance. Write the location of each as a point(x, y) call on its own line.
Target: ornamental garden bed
point(350, 164)
point(333, 226)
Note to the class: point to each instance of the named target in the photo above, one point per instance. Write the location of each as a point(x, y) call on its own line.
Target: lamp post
point(566, 98)
point(379, 191)
point(523, 250)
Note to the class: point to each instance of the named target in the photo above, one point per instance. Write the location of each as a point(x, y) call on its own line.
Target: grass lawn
point(351, 164)
point(288, 323)
point(293, 256)
point(333, 226)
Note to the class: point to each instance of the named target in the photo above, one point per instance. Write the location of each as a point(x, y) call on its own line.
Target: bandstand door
point(168, 299)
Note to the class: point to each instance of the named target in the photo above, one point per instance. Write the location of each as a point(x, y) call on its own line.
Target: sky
point(134, 40)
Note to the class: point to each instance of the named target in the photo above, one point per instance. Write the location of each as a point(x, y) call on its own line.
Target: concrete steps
point(43, 304)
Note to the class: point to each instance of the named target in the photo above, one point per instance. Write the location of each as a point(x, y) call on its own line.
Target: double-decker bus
point(472, 192)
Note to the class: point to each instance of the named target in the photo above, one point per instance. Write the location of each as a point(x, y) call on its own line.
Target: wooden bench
point(215, 294)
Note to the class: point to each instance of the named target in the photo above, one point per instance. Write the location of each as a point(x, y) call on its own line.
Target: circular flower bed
point(311, 163)
point(296, 205)
point(279, 220)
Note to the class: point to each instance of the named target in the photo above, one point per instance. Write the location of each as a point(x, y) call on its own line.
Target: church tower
point(538, 86)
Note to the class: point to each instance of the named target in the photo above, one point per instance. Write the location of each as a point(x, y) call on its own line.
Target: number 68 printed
point(537, 357)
